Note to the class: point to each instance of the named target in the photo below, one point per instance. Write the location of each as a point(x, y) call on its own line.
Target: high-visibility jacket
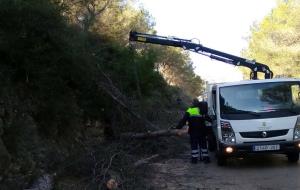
point(195, 120)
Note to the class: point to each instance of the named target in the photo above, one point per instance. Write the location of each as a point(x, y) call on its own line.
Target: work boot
point(194, 160)
point(206, 160)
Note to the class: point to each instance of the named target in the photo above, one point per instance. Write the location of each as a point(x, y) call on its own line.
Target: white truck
point(251, 116)
point(255, 116)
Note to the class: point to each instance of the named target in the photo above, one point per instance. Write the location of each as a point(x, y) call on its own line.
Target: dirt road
point(264, 172)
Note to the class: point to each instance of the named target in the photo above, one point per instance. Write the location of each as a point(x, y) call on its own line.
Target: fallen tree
point(118, 97)
point(145, 160)
point(154, 134)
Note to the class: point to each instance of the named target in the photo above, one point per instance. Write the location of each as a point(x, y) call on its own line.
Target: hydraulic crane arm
point(198, 48)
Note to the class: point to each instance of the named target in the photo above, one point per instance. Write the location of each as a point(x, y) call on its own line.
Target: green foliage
point(54, 64)
point(115, 22)
point(177, 68)
point(47, 60)
point(275, 41)
point(52, 61)
point(56, 59)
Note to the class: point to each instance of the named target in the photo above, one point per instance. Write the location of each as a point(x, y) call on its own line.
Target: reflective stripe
point(194, 111)
point(195, 153)
point(204, 150)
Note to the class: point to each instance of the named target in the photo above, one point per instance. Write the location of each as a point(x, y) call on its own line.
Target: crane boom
point(198, 48)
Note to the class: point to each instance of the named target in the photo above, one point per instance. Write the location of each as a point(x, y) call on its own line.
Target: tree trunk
point(154, 134)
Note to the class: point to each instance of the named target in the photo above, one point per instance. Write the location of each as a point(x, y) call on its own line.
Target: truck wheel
point(221, 160)
point(293, 157)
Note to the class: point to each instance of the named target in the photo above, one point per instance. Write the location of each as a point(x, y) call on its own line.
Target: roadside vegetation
point(275, 41)
point(71, 84)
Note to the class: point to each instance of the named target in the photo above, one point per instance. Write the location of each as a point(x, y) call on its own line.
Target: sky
point(223, 25)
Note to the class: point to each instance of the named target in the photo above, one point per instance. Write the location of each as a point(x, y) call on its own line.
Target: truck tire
point(293, 157)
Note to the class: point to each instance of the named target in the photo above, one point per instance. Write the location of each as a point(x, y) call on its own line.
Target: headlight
point(297, 130)
point(227, 132)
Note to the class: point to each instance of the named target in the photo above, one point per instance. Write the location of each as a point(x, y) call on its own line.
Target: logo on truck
point(264, 134)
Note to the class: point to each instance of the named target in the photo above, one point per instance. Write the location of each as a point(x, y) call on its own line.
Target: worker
point(195, 116)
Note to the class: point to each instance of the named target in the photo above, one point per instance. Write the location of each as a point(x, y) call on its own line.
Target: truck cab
point(255, 116)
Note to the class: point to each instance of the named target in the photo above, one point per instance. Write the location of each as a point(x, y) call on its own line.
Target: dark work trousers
point(198, 141)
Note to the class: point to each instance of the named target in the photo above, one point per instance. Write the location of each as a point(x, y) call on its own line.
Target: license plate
point(266, 147)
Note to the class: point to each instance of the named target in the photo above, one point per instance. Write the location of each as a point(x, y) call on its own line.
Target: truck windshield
point(260, 100)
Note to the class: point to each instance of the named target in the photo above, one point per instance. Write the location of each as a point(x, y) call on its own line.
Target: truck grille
point(264, 134)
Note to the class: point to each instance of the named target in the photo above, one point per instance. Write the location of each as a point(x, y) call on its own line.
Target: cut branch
point(145, 160)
